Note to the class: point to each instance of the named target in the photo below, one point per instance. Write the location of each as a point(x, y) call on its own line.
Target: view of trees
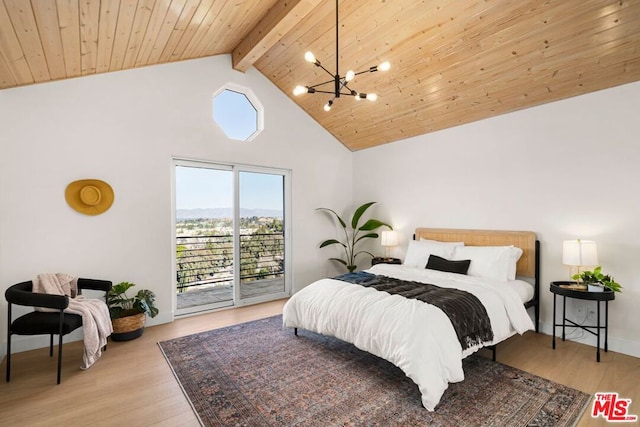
point(205, 251)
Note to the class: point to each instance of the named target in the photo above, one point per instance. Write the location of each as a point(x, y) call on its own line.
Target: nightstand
point(383, 260)
point(565, 289)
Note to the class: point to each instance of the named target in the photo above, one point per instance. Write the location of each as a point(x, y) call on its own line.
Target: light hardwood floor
point(133, 385)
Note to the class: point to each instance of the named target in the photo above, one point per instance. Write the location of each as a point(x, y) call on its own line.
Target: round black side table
point(566, 289)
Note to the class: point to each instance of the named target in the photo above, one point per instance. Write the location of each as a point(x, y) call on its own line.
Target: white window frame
point(252, 98)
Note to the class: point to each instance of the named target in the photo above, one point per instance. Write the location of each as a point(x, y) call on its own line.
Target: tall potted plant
point(354, 235)
point(128, 314)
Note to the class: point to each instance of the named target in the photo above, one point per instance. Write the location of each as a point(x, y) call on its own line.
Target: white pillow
point(418, 252)
point(516, 253)
point(492, 262)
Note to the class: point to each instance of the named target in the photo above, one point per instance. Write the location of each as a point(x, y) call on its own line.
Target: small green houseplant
point(128, 314)
point(596, 277)
point(353, 235)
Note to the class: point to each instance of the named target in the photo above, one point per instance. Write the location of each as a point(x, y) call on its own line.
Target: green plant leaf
point(364, 252)
point(341, 261)
point(114, 312)
point(372, 224)
point(331, 242)
point(358, 213)
point(342, 223)
point(615, 287)
point(120, 288)
point(367, 236)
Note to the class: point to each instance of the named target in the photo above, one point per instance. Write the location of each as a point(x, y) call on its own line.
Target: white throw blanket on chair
point(96, 322)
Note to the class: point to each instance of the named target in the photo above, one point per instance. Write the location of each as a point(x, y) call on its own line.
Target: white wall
point(124, 128)
point(565, 170)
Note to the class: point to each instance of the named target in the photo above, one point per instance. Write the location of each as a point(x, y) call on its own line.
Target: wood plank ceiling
point(452, 61)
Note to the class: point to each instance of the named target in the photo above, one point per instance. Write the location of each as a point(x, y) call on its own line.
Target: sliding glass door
point(232, 243)
point(262, 248)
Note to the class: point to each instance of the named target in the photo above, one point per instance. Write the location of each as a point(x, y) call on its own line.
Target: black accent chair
point(40, 323)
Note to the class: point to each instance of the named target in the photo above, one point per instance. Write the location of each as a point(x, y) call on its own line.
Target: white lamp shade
point(389, 238)
point(579, 253)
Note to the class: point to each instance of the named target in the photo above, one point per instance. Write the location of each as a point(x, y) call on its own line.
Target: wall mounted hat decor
point(89, 196)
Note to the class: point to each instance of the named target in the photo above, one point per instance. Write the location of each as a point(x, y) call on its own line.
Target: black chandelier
point(340, 83)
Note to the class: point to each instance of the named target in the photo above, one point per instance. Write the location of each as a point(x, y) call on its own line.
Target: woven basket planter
point(128, 328)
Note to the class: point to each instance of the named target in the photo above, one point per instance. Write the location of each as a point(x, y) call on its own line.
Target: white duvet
point(416, 337)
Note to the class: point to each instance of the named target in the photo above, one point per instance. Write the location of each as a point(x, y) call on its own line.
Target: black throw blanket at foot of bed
point(467, 314)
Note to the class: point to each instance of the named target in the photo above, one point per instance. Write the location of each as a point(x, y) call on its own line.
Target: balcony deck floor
point(197, 297)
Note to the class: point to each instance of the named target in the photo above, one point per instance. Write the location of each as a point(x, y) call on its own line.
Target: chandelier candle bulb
point(385, 66)
point(310, 57)
point(372, 96)
point(350, 75)
point(299, 90)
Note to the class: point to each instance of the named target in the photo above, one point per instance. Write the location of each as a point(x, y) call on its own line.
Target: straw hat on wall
point(89, 196)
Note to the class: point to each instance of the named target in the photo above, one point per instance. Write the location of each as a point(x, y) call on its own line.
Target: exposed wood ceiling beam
point(282, 17)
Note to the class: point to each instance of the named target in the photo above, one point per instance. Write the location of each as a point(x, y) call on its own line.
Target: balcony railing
point(207, 261)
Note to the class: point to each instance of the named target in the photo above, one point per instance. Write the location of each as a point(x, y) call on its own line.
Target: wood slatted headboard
point(525, 240)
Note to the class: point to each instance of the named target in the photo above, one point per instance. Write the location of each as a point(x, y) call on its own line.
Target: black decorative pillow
point(438, 263)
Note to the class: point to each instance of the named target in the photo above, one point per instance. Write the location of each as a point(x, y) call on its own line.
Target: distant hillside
point(225, 213)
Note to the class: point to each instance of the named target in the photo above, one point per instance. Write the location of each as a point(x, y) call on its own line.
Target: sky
point(213, 188)
point(235, 114)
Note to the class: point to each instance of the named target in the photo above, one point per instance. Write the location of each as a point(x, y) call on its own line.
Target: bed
point(429, 340)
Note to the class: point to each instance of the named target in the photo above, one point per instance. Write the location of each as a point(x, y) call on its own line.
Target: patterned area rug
point(257, 374)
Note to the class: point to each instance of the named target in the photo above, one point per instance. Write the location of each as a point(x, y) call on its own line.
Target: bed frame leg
point(295, 331)
point(493, 349)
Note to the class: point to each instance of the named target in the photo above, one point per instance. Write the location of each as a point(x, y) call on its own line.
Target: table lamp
point(579, 253)
point(388, 239)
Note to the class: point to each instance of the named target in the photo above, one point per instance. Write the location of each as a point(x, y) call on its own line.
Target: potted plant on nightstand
point(128, 314)
point(597, 281)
